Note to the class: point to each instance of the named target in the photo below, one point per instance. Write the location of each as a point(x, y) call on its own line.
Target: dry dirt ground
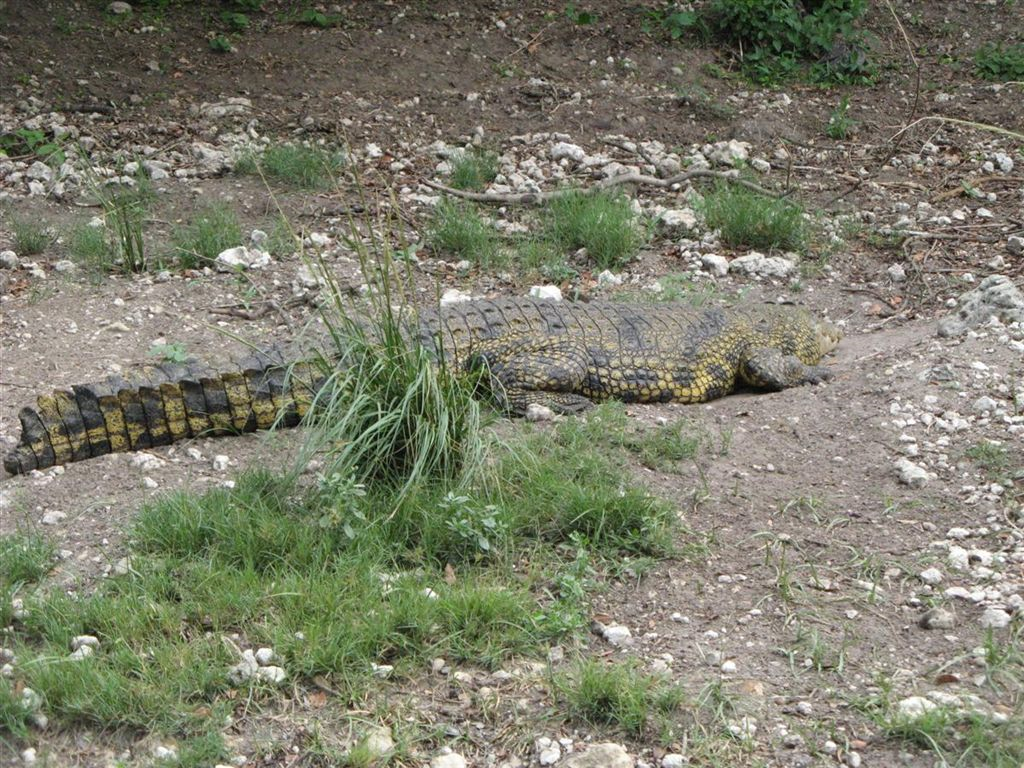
point(809, 601)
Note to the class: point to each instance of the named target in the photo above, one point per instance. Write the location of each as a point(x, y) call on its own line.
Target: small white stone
point(84, 641)
point(911, 474)
point(931, 576)
point(28, 756)
point(265, 656)
point(383, 671)
point(616, 634)
point(546, 292)
point(220, 462)
point(272, 674)
point(995, 618)
point(914, 707)
point(536, 412)
point(609, 278)
point(729, 667)
point(160, 752)
point(449, 760)
point(53, 517)
point(454, 296)
point(673, 760)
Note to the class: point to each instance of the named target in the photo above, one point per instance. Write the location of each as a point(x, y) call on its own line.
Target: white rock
point(82, 653)
point(264, 656)
point(546, 292)
point(728, 152)
point(84, 641)
point(673, 760)
point(609, 278)
point(744, 728)
point(244, 670)
point(931, 576)
point(272, 674)
point(958, 534)
point(379, 741)
point(729, 667)
point(1015, 245)
point(119, 8)
point(548, 752)
point(241, 257)
point(454, 296)
point(8, 260)
point(602, 755)
point(40, 171)
point(914, 707)
point(53, 517)
point(220, 462)
point(678, 219)
point(28, 756)
point(897, 273)
point(572, 152)
point(616, 634)
point(536, 412)
point(449, 760)
point(161, 752)
point(715, 264)
point(994, 618)
point(911, 474)
point(383, 671)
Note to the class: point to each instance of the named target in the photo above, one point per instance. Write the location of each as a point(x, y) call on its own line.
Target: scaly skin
point(561, 355)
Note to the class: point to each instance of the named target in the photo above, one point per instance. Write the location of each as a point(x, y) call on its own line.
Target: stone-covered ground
point(864, 537)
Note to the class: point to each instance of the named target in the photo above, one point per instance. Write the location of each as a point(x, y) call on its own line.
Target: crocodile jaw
point(828, 336)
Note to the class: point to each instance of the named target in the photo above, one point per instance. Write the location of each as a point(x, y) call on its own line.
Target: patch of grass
point(619, 695)
point(24, 557)
point(458, 229)
point(840, 125)
point(474, 169)
point(603, 223)
point(294, 165)
point(962, 739)
point(125, 217)
point(663, 447)
point(993, 458)
point(683, 288)
point(1000, 63)
point(31, 235)
point(749, 220)
point(214, 229)
point(90, 248)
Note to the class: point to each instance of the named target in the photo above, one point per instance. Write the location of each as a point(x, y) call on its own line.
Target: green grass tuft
point(474, 169)
point(31, 235)
point(749, 220)
point(999, 62)
point(24, 558)
point(214, 229)
point(603, 223)
point(294, 165)
point(457, 229)
point(603, 694)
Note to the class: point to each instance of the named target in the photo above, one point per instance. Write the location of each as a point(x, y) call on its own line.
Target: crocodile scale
point(558, 354)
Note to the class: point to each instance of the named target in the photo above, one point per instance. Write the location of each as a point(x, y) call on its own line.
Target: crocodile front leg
point(521, 371)
point(768, 368)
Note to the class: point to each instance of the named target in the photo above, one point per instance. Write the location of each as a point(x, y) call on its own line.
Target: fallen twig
point(640, 179)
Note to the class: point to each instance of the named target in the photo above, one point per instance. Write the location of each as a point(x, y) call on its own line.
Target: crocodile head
point(827, 335)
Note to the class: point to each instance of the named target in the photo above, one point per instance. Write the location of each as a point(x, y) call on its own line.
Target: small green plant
point(747, 219)
point(31, 236)
point(214, 229)
point(840, 125)
point(579, 16)
point(600, 693)
point(676, 22)
point(474, 169)
point(1000, 63)
point(663, 447)
point(295, 165)
point(314, 18)
point(171, 353)
point(221, 44)
point(31, 142)
point(237, 20)
point(458, 229)
point(603, 223)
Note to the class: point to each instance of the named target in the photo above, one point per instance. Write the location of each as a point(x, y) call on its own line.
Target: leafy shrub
point(999, 63)
point(779, 36)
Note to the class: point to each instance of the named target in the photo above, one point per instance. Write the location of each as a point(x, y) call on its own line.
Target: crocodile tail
point(160, 405)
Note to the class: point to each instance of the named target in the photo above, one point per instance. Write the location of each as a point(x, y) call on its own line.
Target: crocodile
point(566, 356)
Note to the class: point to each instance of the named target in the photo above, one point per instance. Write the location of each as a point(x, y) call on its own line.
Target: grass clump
point(1000, 63)
point(459, 229)
point(746, 219)
point(89, 246)
point(24, 557)
point(474, 169)
point(603, 223)
point(31, 236)
point(619, 695)
point(293, 165)
point(840, 125)
point(216, 228)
